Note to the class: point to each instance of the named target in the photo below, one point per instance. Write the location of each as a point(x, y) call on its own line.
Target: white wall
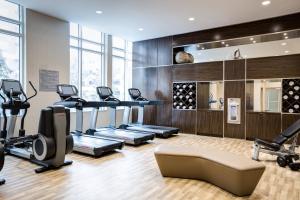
point(47, 47)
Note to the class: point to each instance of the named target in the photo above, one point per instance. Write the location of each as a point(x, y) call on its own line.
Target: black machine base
point(47, 168)
point(2, 181)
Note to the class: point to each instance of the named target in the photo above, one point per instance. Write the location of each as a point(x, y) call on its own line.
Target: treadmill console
point(136, 94)
point(106, 94)
point(68, 92)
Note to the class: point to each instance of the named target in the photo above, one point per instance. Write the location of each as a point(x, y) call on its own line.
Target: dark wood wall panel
point(263, 125)
point(289, 119)
point(234, 89)
point(271, 25)
point(202, 95)
point(145, 53)
point(210, 123)
point(271, 125)
point(253, 125)
point(164, 51)
point(139, 54)
point(184, 120)
point(164, 92)
point(274, 67)
point(151, 52)
point(234, 69)
point(146, 80)
point(198, 72)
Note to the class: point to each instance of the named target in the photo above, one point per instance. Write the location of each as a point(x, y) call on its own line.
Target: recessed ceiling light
point(227, 45)
point(140, 29)
point(286, 37)
point(254, 41)
point(265, 3)
point(202, 48)
point(284, 34)
point(223, 42)
point(191, 19)
point(283, 44)
point(251, 38)
point(99, 12)
point(286, 51)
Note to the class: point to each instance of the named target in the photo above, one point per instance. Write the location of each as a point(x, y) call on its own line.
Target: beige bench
point(231, 172)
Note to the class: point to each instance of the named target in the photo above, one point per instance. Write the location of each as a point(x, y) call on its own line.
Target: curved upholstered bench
point(231, 172)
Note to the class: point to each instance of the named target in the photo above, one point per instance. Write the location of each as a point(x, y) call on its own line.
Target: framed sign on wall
point(234, 111)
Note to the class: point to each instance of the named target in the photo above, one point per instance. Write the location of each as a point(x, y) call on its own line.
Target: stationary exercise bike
point(53, 141)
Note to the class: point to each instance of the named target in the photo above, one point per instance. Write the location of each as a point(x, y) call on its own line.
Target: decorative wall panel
point(184, 96)
point(291, 95)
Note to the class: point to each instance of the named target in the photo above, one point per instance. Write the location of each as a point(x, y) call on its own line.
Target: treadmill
point(86, 144)
point(129, 136)
point(160, 131)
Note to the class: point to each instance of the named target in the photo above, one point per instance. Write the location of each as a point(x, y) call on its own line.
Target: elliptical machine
point(2, 156)
point(53, 141)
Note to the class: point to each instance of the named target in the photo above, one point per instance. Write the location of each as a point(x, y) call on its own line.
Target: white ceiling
point(159, 17)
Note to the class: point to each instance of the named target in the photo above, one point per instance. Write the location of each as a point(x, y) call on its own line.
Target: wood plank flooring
point(133, 174)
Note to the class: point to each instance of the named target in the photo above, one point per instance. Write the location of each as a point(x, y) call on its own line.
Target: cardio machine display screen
point(104, 92)
point(134, 93)
point(66, 90)
point(8, 85)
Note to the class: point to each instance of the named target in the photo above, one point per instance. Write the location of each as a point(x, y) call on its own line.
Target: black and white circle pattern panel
point(291, 95)
point(184, 95)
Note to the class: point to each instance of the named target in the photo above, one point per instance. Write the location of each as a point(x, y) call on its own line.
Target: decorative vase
point(184, 57)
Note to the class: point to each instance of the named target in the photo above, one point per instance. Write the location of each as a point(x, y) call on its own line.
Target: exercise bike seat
point(269, 145)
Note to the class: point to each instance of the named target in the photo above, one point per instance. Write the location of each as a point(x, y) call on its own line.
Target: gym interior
point(150, 99)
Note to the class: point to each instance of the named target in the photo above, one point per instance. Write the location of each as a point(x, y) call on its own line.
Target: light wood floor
point(133, 174)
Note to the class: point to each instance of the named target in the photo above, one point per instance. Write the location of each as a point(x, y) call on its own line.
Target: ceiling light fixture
point(227, 45)
point(254, 41)
point(286, 51)
point(223, 42)
point(251, 38)
point(286, 37)
point(99, 12)
point(285, 34)
point(140, 29)
point(283, 44)
point(191, 19)
point(202, 48)
point(265, 3)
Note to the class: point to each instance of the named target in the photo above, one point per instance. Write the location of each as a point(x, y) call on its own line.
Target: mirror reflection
point(211, 95)
point(274, 44)
point(264, 95)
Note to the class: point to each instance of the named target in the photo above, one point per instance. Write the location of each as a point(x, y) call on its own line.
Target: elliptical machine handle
point(4, 100)
point(35, 92)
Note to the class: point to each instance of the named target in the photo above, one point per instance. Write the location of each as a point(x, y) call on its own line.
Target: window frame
point(20, 36)
point(80, 51)
point(126, 59)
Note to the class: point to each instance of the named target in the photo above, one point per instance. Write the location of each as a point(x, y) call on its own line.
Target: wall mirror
point(264, 95)
point(273, 44)
point(211, 95)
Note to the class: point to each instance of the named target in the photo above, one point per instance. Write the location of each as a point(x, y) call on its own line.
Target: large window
point(87, 69)
point(121, 67)
point(11, 40)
